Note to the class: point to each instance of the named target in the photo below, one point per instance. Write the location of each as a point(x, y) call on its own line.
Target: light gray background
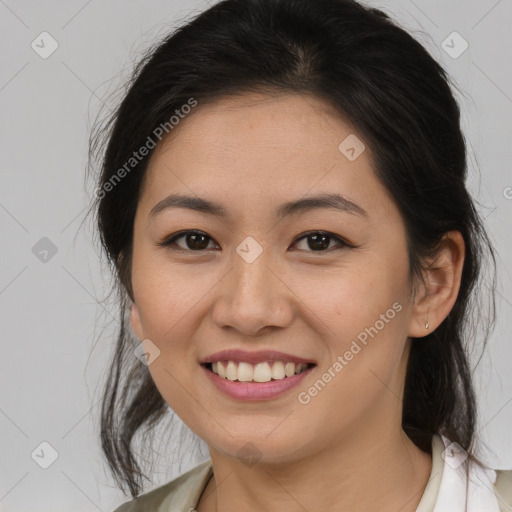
point(52, 313)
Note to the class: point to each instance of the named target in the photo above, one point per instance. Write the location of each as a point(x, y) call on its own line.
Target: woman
point(283, 200)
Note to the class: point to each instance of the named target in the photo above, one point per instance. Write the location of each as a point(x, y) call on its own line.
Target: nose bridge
point(250, 258)
point(251, 275)
point(251, 297)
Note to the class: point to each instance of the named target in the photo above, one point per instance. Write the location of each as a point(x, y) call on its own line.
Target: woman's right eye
point(194, 241)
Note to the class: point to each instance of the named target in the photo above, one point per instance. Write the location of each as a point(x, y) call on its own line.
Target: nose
point(253, 297)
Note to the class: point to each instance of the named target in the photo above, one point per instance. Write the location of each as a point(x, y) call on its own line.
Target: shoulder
point(484, 478)
point(503, 489)
point(182, 492)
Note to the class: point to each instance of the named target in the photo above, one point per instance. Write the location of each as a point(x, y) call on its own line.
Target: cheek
point(364, 317)
point(163, 292)
point(350, 299)
point(168, 305)
point(163, 306)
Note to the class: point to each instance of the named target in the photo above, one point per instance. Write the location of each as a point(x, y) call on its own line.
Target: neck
point(362, 474)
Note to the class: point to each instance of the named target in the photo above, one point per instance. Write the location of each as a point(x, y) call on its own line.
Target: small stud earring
point(426, 324)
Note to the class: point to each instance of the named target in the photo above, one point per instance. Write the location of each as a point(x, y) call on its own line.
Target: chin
point(252, 448)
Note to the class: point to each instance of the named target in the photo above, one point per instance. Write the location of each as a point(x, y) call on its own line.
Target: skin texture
point(345, 449)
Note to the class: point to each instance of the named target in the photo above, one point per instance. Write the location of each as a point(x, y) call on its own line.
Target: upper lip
point(254, 357)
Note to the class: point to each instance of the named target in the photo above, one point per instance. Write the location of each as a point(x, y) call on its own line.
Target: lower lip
point(252, 391)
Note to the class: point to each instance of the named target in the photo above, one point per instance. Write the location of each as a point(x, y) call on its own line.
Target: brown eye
point(319, 241)
point(193, 240)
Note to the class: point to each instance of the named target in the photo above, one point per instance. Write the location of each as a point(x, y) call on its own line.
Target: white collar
point(452, 495)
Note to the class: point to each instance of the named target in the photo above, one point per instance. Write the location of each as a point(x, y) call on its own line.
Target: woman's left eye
point(197, 241)
point(318, 241)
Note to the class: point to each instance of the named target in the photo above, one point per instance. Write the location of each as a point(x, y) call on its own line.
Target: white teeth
point(278, 370)
point(231, 371)
point(261, 372)
point(300, 368)
point(245, 372)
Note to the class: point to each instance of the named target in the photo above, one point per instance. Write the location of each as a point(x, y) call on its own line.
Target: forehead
point(255, 120)
point(263, 148)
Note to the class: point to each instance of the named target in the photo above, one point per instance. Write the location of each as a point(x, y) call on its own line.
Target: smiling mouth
point(266, 371)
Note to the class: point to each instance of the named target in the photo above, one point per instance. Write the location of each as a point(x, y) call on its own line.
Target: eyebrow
point(199, 204)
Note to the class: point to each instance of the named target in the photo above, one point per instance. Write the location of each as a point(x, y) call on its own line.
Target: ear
point(437, 295)
point(135, 322)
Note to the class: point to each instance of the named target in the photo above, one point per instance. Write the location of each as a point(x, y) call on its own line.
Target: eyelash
point(170, 241)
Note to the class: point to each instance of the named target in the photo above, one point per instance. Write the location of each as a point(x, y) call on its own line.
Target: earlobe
point(438, 294)
point(135, 322)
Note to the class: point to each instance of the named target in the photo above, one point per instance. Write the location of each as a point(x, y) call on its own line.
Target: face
point(323, 284)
